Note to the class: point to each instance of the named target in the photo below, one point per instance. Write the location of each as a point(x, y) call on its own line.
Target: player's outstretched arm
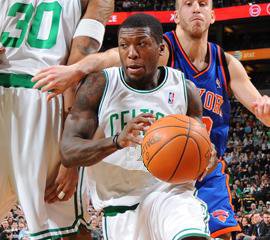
point(245, 91)
point(87, 39)
point(72, 74)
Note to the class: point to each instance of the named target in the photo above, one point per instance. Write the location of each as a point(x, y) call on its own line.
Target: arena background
point(242, 28)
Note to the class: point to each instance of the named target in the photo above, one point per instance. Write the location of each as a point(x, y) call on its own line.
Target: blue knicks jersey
point(212, 83)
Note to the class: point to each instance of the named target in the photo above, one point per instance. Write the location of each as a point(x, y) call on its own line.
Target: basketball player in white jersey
point(36, 34)
point(119, 102)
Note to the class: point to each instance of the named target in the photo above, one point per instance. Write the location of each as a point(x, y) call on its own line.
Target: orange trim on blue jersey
point(210, 62)
point(222, 68)
point(183, 52)
point(171, 50)
point(218, 233)
point(227, 183)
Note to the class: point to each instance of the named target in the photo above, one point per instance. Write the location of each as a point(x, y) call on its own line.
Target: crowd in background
point(164, 5)
point(14, 226)
point(248, 158)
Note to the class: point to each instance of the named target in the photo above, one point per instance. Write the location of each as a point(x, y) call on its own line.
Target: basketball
point(176, 149)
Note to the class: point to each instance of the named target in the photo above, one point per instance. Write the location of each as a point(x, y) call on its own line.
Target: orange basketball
point(176, 149)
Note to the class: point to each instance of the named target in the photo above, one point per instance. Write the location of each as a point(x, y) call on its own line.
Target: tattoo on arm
point(77, 146)
point(100, 10)
point(194, 101)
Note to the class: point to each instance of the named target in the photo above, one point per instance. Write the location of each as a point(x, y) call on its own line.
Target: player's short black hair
point(141, 20)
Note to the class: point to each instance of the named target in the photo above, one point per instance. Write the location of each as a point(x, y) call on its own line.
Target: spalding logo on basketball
point(176, 149)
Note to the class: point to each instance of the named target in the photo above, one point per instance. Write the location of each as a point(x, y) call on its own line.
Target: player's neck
point(148, 82)
point(196, 49)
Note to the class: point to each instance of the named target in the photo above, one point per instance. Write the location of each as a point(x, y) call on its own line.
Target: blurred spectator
point(164, 5)
point(14, 226)
point(253, 208)
point(246, 228)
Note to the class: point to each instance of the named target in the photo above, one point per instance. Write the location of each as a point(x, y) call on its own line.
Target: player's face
point(266, 218)
point(139, 53)
point(5, 224)
point(194, 16)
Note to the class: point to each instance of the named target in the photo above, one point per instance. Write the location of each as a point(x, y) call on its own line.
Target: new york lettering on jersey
point(212, 83)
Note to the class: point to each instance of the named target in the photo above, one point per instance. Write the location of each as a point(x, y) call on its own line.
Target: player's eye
point(123, 45)
point(203, 4)
point(188, 3)
point(142, 44)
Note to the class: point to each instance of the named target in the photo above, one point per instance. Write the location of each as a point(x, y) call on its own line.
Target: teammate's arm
point(99, 10)
point(90, 64)
point(245, 91)
point(82, 45)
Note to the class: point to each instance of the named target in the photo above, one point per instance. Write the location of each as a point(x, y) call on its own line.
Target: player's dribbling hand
point(65, 181)
point(56, 79)
point(131, 132)
point(261, 109)
point(212, 163)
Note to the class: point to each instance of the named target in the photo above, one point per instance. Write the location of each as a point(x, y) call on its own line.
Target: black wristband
point(115, 138)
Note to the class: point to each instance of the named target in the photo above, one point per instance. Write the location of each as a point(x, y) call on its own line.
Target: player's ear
point(161, 49)
point(213, 16)
point(176, 17)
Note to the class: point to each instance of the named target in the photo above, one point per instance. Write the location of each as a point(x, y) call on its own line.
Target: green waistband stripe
point(16, 80)
point(114, 210)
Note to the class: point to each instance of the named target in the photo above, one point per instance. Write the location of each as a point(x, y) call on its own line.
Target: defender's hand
point(64, 185)
point(212, 163)
point(131, 132)
point(261, 109)
point(57, 79)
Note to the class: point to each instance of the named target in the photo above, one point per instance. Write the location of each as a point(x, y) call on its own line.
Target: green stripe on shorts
point(16, 80)
point(191, 232)
point(114, 210)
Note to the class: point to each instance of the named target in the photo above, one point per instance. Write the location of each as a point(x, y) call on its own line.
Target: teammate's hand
point(131, 132)
point(57, 79)
point(212, 163)
point(65, 181)
point(261, 109)
point(2, 51)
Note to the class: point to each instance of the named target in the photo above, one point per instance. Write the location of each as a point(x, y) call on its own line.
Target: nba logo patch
point(218, 83)
point(221, 215)
point(171, 98)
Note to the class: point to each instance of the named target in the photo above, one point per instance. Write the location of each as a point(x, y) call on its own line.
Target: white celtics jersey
point(121, 178)
point(36, 33)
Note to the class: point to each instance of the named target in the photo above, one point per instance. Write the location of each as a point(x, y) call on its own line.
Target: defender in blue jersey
point(214, 72)
point(212, 83)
